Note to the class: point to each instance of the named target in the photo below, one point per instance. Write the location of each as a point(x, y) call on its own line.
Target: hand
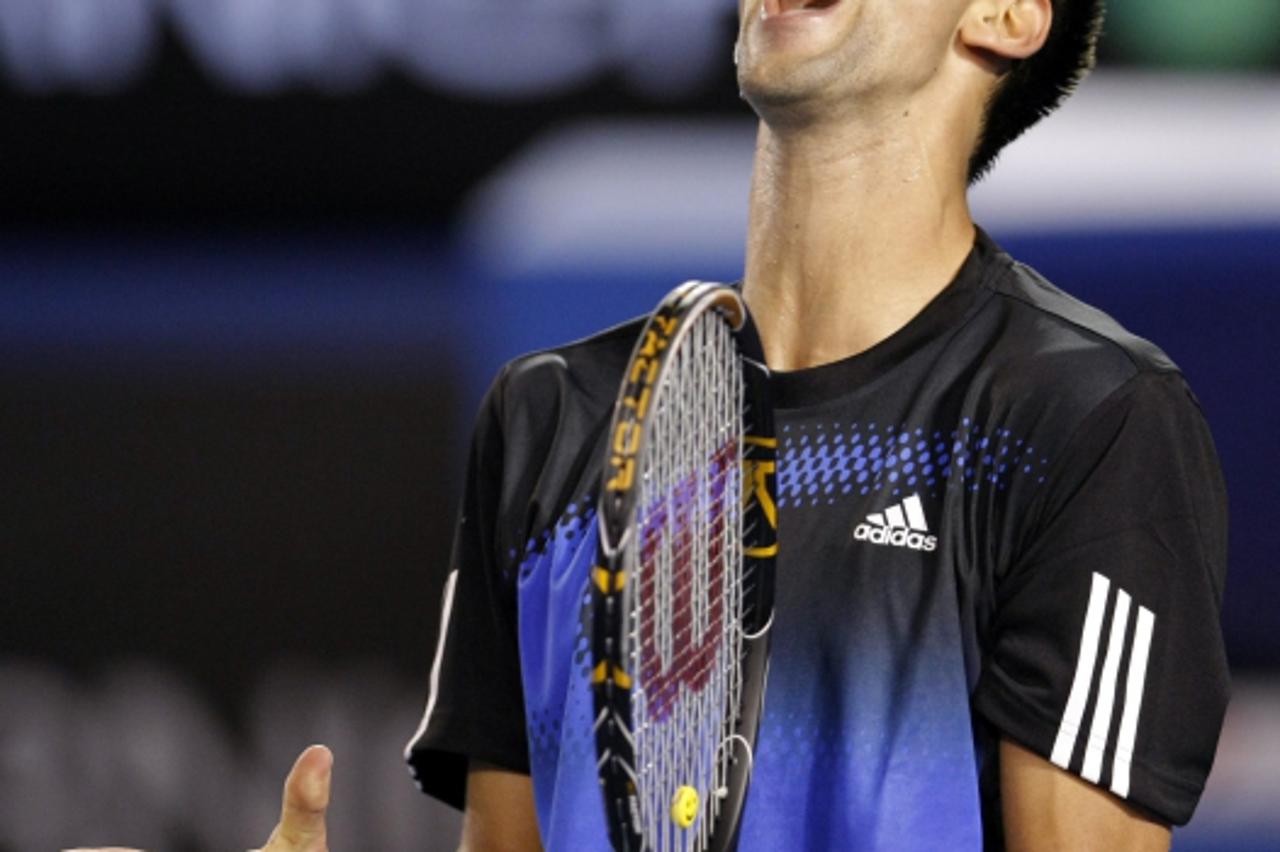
point(306, 797)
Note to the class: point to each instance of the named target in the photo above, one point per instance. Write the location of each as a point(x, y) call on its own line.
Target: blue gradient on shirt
point(555, 665)
point(866, 741)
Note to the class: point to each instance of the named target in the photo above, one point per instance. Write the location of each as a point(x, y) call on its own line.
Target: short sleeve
point(1106, 653)
point(475, 703)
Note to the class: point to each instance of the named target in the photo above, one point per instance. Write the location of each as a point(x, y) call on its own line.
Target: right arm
point(499, 815)
point(471, 749)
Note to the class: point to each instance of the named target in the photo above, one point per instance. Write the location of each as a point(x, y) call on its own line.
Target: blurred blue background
point(260, 259)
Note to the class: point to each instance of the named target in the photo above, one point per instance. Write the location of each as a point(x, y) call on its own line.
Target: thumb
point(306, 796)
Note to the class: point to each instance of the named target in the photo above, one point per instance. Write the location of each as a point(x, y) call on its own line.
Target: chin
point(792, 51)
point(783, 88)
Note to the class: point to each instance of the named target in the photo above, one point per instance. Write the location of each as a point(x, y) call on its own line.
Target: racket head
point(682, 588)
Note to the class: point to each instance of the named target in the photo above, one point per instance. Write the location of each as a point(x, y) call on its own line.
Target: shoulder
point(1066, 319)
point(582, 375)
point(1047, 348)
point(541, 423)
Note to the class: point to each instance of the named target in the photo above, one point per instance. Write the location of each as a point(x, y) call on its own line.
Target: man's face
point(823, 54)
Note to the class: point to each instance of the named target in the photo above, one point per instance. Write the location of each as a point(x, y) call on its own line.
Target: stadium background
point(259, 259)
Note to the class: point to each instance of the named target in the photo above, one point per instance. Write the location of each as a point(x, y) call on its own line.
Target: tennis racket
point(682, 591)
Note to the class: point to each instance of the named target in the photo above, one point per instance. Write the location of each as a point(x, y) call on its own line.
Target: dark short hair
point(1034, 87)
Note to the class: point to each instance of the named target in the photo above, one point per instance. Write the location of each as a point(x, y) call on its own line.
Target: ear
point(1007, 29)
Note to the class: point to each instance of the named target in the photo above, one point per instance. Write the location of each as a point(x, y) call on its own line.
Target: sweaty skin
point(869, 111)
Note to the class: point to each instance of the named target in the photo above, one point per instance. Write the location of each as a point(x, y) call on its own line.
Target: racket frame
point(612, 683)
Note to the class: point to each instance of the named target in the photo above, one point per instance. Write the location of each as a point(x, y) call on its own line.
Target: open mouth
point(777, 8)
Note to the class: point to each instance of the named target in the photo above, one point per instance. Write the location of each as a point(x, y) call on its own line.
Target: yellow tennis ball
point(684, 806)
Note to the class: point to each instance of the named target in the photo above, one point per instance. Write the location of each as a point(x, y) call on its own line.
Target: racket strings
point(689, 635)
point(685, 615)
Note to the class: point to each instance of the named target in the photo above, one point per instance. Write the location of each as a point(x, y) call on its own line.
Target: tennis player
point(1002, 521)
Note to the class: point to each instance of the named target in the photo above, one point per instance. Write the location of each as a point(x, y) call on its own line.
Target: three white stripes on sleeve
point(1081, 687)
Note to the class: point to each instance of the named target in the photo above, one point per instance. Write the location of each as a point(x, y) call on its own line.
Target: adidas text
point(896, 538)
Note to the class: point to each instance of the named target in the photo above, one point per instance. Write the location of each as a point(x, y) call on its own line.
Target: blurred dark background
point(259, 259)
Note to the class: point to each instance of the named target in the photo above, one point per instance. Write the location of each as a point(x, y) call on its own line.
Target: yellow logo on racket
point(684, 806)
point(644, 374)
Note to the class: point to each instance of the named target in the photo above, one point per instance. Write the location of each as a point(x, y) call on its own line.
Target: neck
point(852, 232)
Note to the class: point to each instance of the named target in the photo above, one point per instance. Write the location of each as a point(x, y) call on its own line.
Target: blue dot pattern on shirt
point(822, 463)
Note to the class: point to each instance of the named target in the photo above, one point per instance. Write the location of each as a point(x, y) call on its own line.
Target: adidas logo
point(899, 526)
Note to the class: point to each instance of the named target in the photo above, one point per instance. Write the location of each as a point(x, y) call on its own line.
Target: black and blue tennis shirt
point(1006, 520)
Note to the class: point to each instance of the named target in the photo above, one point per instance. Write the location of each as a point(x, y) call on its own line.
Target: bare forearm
point(500, 814)
point(1047, 810)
